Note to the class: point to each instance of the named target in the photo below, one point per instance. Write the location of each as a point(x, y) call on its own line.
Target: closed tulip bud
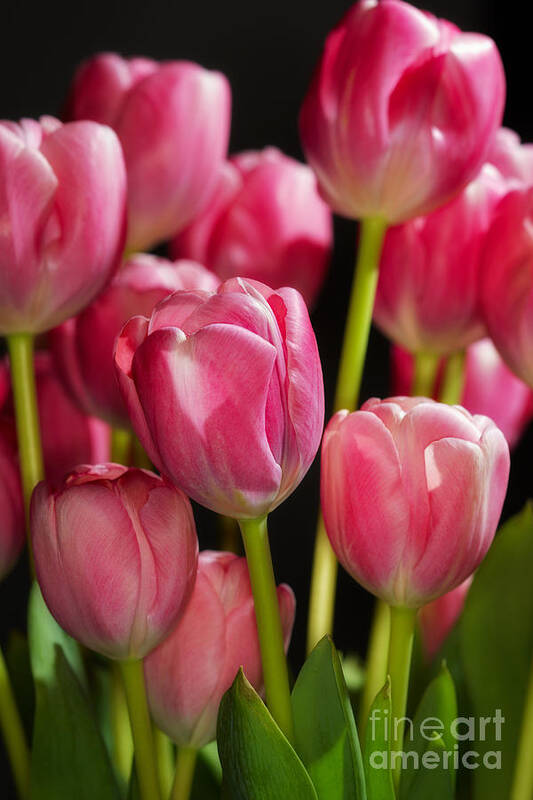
point(437, 619)
point(490, 388)
point(83, 346)
point(507, 282)
point(225, 393)
point(512, 158)
point(188, 674)
point(401, 111)
point(418, 513)
point(11, 505)
point(69, 437)
point(266, 221)
point(115, 555)
point(62, 206)
point(173, 122)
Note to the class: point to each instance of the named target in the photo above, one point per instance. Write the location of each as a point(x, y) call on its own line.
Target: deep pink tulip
point(62, 206)
point(437, 618)
point(69, 437)
point(401, 111)
point(83, 346)
point(266, 221)
point(490, 388)
point(173, 122)
point(507, 282)
point(225, 393)
point(412, 491)
point(187, 675)
point(115, 555)
point(12, 527)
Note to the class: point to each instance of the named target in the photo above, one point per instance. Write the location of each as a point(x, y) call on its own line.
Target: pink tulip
point(83, 346)
point(401, 111)
point(265, 221)
point(62, 206)
point(412, 491)
point(512, 158)
point(11, 506)
point(173, 122)
point(115, 556)
point(225, 393)
point(187, 675)
point(69, 437)
point(507, 282)
point(437, 619)
point(490, 388)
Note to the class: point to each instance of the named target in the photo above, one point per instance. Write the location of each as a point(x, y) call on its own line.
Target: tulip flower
point(187, 675)
point(417, 516)
point(115, 556)
point(507, 282)
point(490, 388)
point(11, 505)
point(266, 221)
point(173, 122)
point(69, 437)
point(62, 206)
point(437, 619)
point(224, 390)
point(401, 111)
point(83, 346)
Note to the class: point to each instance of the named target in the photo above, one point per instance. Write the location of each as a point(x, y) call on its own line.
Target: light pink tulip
point(69, 437)
point(401, 111)
point(62, 206)
point(437, 619)
point(512, 158)
point(412, 491)
point(83, 346)
point(266, 221)
point(490, 388)
point(12, 527)
point(115, 555)
point(507, 282)
point(173, 122)
point(187, 675)
point(225, 393)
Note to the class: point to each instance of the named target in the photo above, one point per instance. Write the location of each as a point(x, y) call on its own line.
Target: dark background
point(268, 51)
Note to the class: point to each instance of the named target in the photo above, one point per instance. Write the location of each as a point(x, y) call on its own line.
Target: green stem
point(426, 369)
point(121, 446)
point(120, 725)
point(402, 629)
point(13, 733)
point(164, 751)
point(141, 726)
point(140, 458)
point(352, 361)
point(276, 677)
point(228, 532)
point(183, 780)
point(376, 661)
point(522, 788)
point(454, 378)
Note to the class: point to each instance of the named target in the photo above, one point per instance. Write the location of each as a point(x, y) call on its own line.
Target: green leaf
point(496, 634)
point(326, 736)
point(69, 758)
point(432, 781)
point(432, 723)
point(379, 785)
point(258, 762)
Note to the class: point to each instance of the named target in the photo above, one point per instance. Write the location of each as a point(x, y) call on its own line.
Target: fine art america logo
point(461, 730)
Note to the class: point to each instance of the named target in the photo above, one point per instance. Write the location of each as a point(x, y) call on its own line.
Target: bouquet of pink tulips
point(133, 384)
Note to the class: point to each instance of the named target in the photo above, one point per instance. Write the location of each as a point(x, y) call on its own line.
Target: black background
point(268, 51)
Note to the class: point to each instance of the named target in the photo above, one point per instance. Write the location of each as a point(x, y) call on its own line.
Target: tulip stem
point(425, 377)
point(121, 446)
point(228, 532)
point(183, 780)
point(352, 361)
point(402, 631)
point(275, 673)
point(522, 788)
point(164, 750)
point(376, 661)
point(454, 378)
point(141, 727)
point(120, 725)
point(13, 733)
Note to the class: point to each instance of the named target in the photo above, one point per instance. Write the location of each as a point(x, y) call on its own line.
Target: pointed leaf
point(379, 784)
point(430, 781)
